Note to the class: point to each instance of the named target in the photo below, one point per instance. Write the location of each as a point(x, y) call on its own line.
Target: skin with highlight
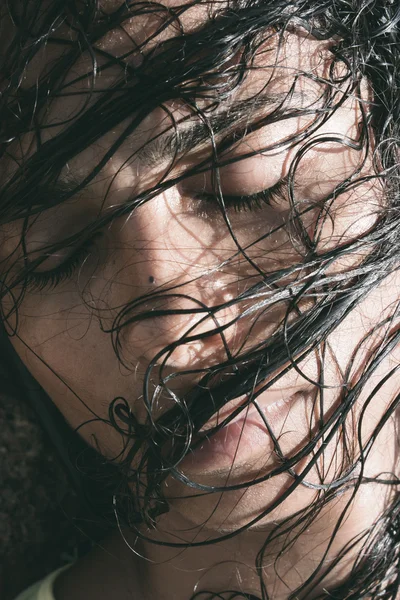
point(168, 287)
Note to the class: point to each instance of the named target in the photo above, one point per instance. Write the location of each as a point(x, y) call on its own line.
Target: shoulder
point(107, 571)
point(44, 589)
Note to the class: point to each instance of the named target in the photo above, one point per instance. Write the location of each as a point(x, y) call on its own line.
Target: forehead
point(131, 30)
point(145, 29)
point(299, 56)
point(136, 36)
point(111, 6)
point(256, 94)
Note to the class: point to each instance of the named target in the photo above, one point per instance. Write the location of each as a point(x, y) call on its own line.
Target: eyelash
point(38, 281)
point(207, 202)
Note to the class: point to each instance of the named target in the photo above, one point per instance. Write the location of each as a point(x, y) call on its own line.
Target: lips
point(245, 438)
point(269, 403)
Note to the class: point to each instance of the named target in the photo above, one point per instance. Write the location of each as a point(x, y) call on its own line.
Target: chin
point(227, 511)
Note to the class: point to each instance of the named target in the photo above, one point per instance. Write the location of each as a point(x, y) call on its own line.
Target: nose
point(186, 327)
point(181, 307)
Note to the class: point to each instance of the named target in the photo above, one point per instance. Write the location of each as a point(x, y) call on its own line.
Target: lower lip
point(244, 440)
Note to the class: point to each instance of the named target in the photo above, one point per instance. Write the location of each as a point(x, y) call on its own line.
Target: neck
point(132, 568)
point(231, 564)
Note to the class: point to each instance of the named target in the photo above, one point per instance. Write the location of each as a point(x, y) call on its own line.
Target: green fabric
point(42, 590)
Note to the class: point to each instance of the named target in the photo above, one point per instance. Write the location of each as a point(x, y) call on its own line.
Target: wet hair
point(199, 69)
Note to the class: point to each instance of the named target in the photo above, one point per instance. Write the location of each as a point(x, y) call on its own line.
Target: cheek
point(353, 346)
point(346, 219)
point(75, 363)
point(82, 379)
point(61, 355)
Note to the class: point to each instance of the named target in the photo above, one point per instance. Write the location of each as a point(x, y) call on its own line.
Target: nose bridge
point(177, 272)
point(189, 304)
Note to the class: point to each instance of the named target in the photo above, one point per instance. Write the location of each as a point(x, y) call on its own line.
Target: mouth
point(246, 438)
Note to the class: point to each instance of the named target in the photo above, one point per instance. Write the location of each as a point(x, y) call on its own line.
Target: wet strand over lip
point(250, 405)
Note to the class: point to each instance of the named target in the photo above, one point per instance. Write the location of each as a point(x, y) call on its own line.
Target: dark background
point(41, 517)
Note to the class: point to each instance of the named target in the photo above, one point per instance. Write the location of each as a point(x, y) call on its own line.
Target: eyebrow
point(190, 135)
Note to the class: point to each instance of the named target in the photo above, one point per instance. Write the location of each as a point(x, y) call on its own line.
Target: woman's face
point(180, 244)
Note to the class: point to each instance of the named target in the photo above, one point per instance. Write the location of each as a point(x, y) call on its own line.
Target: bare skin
point(165, 241)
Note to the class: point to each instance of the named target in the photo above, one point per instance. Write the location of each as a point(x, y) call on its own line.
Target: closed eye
point(39, 280)
point(208, 203)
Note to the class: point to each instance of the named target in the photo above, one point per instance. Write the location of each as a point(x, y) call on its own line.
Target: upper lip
point(264, 400)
